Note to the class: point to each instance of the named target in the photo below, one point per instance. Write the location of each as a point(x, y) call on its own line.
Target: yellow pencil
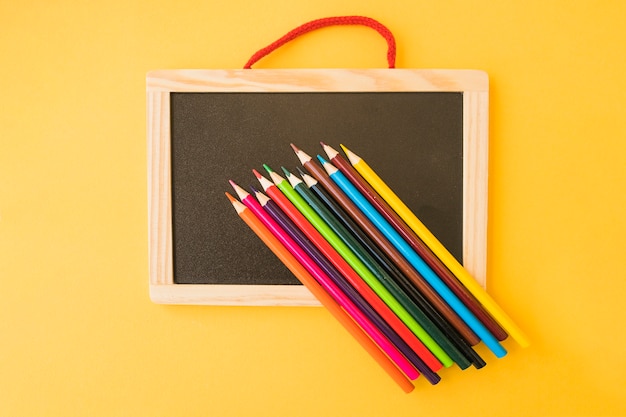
point(438, 249)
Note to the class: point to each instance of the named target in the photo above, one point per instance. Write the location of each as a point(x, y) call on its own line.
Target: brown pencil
point(416, 243)
point(405, 267)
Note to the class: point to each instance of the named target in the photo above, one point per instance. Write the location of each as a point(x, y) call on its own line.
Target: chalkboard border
point(473, 84)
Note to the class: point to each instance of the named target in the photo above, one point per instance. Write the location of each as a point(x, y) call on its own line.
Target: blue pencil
point(418, 263)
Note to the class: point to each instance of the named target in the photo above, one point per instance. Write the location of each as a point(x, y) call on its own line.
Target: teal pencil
point(349, 256)
point(429, 333)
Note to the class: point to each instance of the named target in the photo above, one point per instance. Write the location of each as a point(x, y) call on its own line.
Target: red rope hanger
point(330, 21)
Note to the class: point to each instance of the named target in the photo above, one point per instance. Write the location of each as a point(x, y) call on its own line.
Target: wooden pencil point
point(294, 147)
point(303, 156)
point(286, 172)
point(240, 191)
point(330, 168)
point(293, 180)
point(309, 180)
point(352, 157)
point(276, 179)
point(262, 198)
point(230, 197)
point(330, 152)
point(257, 174)
point(268, 169)
point(239, 207)
point(265, 183)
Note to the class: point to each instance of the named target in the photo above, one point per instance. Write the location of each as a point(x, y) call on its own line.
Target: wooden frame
point(473, 84)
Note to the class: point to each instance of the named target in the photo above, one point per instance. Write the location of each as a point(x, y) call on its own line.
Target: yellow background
point(79, 336)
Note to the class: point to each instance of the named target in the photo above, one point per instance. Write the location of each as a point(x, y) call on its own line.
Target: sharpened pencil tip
point(257, 174)
point(254, 190)
point(230, 197)
point(352, 157)
point(321, 159)
point(322, 144)
point(268, 169)
point(300, 171)
point(294, 147)
point(287, 173)
point(330, 152)
point(241, 193)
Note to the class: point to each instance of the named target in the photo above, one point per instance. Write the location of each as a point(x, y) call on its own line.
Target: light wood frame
point(159, 84)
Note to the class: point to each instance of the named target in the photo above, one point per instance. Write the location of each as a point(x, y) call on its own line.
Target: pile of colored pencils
point(370, 261)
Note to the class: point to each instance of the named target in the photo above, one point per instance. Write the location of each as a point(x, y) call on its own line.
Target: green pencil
point(349, 256)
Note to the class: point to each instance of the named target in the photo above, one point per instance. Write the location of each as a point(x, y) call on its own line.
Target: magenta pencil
point(325, 281)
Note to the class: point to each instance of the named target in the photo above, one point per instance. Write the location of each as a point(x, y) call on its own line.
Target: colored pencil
point(292, 230)
point(326, 282)
point(346, 271)
point(438, 249)
point(434, 299)
point(427, 332)
point(409, 236)
point(322, 296)
point(438, 285)
point(448, 332)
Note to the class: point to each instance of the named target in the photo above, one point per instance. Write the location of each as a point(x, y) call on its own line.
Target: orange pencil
point(309, 282)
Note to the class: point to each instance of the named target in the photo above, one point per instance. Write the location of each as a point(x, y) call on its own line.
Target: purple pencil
point(298, 236)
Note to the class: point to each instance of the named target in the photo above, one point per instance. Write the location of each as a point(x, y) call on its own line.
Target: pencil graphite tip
point(330, 152)
point(257, 174)
point(308, 180)
point(254, 190)
point(230, 197)
point(286, 172)
point(294, 147)
point(302, 156)
point(239, 207)
point(240, 191)
point(330, 168)
point(276, 179)
point(265, 183)
point(262, 198)
point(352, 157)
point(268, 169)
point(293, 180)
point(300, 171)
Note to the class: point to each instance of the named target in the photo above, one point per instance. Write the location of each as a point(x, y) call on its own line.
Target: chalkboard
point(424, 132)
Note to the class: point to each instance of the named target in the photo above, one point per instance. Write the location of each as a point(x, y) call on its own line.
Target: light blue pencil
point(414, 259)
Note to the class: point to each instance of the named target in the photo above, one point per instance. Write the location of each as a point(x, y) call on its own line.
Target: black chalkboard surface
point(208, 127)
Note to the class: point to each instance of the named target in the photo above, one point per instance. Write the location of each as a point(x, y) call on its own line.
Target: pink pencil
point(325, 281)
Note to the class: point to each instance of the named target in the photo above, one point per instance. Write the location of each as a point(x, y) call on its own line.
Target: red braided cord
point(331, 21)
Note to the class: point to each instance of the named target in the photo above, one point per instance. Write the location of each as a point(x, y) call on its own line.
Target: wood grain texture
point(159, 85)
point(475, 177)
